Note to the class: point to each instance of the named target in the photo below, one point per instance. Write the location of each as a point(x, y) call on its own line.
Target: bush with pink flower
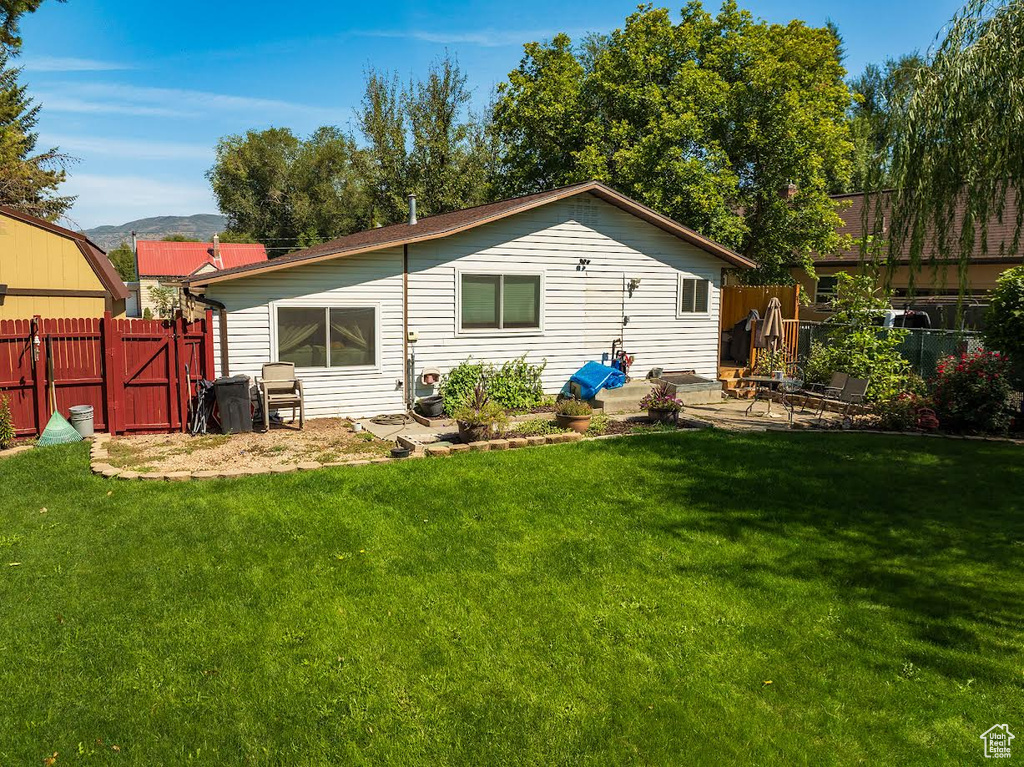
point(971, 393)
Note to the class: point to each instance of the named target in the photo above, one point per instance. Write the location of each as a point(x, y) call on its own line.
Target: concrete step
point(625, 399)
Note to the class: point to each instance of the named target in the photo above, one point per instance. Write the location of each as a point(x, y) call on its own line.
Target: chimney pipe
point(216, 252)
point(412, 209)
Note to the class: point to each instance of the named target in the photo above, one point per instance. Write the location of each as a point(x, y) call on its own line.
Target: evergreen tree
point(28, 179)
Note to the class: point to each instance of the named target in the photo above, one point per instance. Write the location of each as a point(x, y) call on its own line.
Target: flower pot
point(578, 423)
point(431, 407)
point(663, 416)
point(473, 432)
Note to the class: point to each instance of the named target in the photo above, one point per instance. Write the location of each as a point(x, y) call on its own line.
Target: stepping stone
point(499, 444)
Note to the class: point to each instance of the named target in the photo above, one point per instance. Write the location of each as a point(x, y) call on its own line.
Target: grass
point(691, 598)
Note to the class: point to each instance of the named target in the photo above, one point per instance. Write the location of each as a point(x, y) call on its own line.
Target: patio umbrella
point(771, 327)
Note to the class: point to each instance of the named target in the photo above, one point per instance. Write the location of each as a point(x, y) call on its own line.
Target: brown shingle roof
point(1000, 233)
point(101, 266)
point(445, 224)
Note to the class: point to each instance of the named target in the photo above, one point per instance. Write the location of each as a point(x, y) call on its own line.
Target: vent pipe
point(216, 252)
point(412, 209)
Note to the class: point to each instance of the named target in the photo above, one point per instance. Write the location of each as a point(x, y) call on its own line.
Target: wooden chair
point(279, 388)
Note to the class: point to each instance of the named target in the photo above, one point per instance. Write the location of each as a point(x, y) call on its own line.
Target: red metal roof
point(180, 259)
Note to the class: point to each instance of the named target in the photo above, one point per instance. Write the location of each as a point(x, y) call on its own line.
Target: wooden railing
point(790, 341)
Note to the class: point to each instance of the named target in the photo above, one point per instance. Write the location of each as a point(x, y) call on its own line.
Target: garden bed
point(324, 440)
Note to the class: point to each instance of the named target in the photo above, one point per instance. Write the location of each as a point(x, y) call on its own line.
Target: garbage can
point(80, 417)
point(233, 403)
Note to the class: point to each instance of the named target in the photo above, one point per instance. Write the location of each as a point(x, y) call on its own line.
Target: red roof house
point(181, 259)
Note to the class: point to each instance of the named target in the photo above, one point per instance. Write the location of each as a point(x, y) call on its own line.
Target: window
point(693, 295)
point(327, 337)
point(826, 289)
point(500, 301)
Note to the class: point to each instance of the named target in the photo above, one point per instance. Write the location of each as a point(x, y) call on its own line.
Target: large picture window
point(693, 295)
point(500, 301)
point(327, 336)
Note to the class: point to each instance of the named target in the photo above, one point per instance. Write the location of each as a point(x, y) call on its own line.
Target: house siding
point(373, 279)
point(582, 309)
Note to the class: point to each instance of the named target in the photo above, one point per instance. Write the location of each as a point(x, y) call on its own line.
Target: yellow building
point(936, 286)
point(51, 271)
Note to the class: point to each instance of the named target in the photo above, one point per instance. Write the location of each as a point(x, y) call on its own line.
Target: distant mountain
point(201, 226)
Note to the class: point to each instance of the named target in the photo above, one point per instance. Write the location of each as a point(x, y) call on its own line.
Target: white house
point(557, 275)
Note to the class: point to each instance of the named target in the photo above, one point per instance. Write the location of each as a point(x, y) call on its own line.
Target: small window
point(826, 289)
point(326, 337)
point(500, 301)
point(693, 296)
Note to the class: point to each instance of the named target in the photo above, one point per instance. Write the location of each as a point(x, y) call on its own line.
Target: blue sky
point(140, 92)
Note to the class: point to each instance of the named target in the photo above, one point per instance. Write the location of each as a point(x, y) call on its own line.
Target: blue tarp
point(593, 377)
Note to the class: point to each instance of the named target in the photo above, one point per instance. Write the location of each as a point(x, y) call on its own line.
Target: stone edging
point(99, 457)
point(13, 451)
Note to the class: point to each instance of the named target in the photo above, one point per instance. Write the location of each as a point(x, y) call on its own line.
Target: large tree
point(709, 119)
point(957, 152)
point(878, 92)
point(28, 178)
point(287, 192)
point(422, 139)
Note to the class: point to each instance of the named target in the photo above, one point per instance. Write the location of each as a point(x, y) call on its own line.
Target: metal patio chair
point(854, 392)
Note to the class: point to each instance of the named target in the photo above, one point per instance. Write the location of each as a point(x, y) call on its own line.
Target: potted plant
point(572, 413)
point(661, 405)
point(479, 418)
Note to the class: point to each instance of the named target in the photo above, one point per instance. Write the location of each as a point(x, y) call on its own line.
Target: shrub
point(901, 413)
point(1004, 325)
point(971, 393)
point(661, 398)
point(457, 386)
point(573, 407)
point(516, 385)
point(769, 360)
point(6, 423)
point(857, 345)
point(481, 410)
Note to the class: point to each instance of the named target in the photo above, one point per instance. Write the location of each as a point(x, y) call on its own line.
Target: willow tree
point(957, 154)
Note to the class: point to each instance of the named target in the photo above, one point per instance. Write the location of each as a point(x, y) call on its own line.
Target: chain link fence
point(921, 348)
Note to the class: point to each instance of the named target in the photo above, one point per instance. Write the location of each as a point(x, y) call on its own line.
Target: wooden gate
point(138, 375)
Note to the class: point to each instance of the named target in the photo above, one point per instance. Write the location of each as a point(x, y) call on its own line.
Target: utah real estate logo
point(997, 741)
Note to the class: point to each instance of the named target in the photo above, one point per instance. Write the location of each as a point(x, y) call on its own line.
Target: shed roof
point(445, 224)
point(94, 255)
point(158, 258)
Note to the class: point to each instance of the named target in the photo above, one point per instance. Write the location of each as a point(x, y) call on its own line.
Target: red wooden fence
point(134, 373)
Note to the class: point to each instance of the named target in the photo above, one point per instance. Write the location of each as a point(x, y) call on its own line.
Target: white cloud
point(118, 98)
point(140, 149)
point(485, 38)
point(70, 64)
point(116, 199)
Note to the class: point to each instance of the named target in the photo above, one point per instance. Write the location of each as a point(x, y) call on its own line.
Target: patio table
point(765, 387)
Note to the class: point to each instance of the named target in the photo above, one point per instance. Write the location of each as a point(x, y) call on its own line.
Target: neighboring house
point(557, 276)
point(51, 271)
point(160, 261)
point(936, 284)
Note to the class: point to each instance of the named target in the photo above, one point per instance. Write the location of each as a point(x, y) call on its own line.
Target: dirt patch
point(323, 440)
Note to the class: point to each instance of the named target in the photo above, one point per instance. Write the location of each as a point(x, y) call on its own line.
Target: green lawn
point(616, 602)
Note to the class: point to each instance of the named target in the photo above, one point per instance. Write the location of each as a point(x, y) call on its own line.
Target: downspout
point(407, 375)
point(222, 322)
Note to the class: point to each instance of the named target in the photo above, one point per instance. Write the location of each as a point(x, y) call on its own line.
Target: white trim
point(327, 305)
point(498, 332)
point(680, 314)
